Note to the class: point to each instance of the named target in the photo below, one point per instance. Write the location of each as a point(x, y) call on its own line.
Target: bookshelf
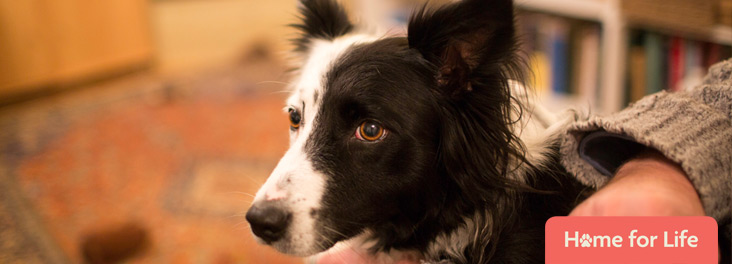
point(612, 48)
point(617, 24)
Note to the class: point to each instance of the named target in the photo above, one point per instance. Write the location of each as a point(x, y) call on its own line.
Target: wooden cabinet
point(58, 43)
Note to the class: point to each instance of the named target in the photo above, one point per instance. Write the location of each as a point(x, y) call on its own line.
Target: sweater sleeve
point(692, 128)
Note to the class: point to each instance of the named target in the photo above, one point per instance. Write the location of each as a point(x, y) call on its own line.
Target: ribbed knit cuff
point(685, 130)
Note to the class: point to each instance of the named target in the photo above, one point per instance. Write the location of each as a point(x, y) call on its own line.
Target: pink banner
point(636, 239)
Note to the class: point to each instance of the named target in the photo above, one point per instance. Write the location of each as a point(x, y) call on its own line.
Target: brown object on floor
point(114, 244)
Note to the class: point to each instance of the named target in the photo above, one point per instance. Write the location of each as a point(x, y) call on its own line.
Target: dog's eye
point(295, 119)
point(370, 131)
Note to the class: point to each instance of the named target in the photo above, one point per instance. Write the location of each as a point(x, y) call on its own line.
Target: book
point(692, 56)
point(712, 53)
point(589, 59)
point(654, 52)
point(636, 68)
point(558, 47)
point(539, 65)
point(676, 63)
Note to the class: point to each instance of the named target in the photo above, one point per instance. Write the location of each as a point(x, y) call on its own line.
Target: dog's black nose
point(268, 222)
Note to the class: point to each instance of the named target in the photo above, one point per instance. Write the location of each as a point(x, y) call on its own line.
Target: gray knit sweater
point(692, 128)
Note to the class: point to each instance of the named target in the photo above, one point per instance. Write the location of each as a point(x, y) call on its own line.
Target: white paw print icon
point(585, 240)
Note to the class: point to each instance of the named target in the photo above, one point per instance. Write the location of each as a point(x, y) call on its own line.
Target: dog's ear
point(323, 19)
point(471, 46)
point(463, 38)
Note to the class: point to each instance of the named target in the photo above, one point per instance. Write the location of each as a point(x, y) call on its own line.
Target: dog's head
point(377, 124)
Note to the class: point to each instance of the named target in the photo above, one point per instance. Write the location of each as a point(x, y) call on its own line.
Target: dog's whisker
point(257, 181)
point(248, 201)
point(237, 215)
point(346, 221)
point(241, 224)
point(334, 231)
point(250, 197)
point(339, 253)
point(286, 90)
point(273, 82)
point(348, 244)
point(238, 192)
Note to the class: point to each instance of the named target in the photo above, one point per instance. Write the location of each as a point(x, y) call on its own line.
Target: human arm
point(648, 185)
point(691, 129)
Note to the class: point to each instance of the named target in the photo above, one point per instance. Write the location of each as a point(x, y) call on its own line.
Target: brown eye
point(295, 119)
point(370, 131)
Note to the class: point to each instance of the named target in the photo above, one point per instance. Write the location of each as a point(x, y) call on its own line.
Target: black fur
point(443, 95)
point(323, 19)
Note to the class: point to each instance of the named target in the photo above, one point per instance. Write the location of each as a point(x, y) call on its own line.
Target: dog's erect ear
point(464, 37)
point(471, 44)
point(323, 19)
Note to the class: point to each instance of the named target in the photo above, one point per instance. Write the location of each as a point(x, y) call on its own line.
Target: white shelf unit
point(722, 34)
point(613, 50)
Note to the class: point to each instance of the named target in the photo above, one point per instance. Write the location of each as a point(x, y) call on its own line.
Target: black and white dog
point(422, 143)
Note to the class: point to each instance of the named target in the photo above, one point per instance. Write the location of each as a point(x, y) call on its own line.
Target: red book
point(712, 55)
point(675, 63)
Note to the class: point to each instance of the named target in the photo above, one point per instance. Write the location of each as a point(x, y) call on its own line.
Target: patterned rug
point(179, 158)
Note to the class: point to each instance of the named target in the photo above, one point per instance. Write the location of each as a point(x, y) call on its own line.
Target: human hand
point(648, 185)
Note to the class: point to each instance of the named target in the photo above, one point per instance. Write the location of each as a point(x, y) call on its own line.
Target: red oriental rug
point(179, 159)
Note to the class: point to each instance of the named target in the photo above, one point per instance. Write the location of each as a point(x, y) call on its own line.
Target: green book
point(654, 62)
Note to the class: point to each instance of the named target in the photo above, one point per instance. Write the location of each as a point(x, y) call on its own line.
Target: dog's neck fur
point(538, 131)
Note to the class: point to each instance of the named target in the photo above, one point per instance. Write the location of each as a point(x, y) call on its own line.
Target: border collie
point(425, 142)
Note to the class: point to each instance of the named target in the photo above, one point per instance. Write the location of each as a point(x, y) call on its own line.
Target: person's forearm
point(649, 184)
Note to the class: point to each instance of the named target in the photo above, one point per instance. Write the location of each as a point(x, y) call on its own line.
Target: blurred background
point(138, 130)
